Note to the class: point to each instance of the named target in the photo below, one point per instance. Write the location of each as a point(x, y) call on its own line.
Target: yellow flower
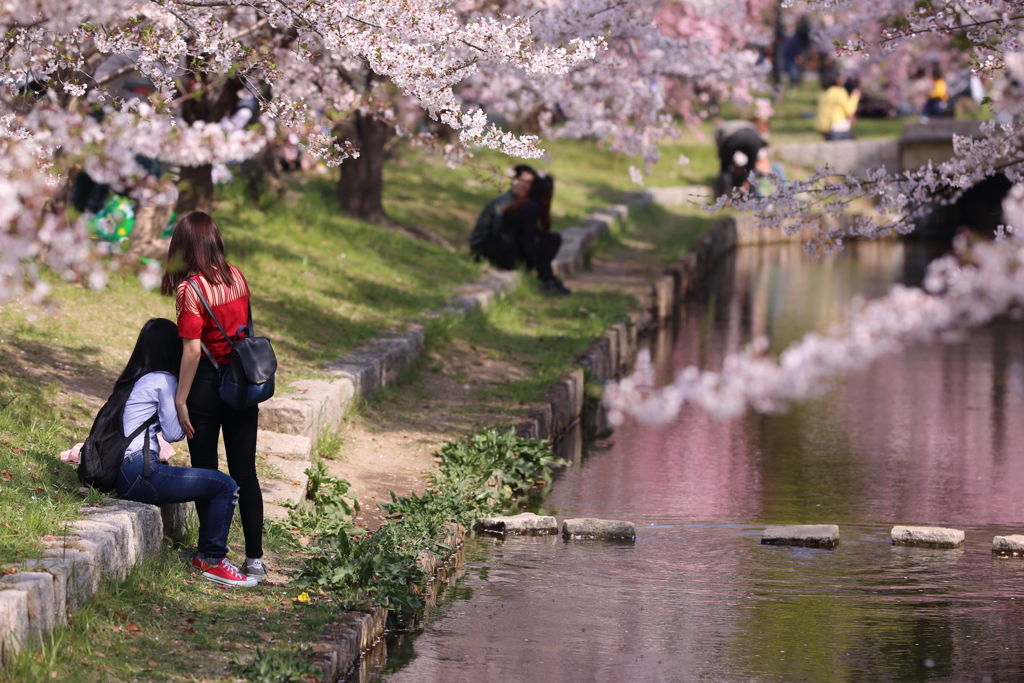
point(303, 597)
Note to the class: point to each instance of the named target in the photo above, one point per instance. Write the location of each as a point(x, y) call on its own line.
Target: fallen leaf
point(10, 570)
point(190, 621)
point(133, 649)
point(267, 636)
point(132, 628)
point(6, 475)
point(189, 630)
point(152, 663)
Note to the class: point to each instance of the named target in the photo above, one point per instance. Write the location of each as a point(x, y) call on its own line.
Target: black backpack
point(100, 459)
point(249, 378)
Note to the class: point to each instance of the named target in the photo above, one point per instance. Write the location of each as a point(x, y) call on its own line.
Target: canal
point(931, 436)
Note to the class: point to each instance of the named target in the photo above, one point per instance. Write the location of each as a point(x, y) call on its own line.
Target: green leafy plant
point(478, 476)
point(331, 511)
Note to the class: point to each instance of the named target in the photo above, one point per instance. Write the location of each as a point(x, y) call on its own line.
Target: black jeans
point(538, 249)
point(501, 250)
point(209, 414)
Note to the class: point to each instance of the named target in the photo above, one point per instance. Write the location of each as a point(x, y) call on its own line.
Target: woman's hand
point(186, 425)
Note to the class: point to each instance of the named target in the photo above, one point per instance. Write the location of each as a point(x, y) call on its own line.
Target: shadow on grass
point(538, 336)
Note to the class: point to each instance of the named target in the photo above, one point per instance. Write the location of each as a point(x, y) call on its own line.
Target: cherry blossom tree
point(335, 74)
point(57, 115)
point(970, 287)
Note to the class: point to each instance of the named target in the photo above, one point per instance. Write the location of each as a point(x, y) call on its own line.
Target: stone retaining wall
point(853, 157)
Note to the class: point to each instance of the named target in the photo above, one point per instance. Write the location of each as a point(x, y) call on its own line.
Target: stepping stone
point(1008, 546)
point(805, 535)
point(526, 524)
point(927, 537)
point(599, 529)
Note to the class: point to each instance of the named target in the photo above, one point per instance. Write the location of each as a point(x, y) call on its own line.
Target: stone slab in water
point(927, 537)
point(806, 535)
point(1009, 546)
point(526, 524)
point(600, 529)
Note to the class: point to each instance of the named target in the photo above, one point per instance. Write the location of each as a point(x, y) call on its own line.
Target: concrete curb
point(578, 240)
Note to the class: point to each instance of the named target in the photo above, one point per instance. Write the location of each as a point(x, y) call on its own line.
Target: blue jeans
point(167, 484)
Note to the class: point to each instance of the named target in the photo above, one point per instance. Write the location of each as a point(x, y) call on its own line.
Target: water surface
point(929, 436)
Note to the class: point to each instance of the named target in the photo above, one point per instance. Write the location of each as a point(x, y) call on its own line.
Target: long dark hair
point(158, 349)
point(196, 247)
point(542, 189)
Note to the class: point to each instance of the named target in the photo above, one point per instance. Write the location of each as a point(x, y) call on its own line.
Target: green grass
point(38, 492)
point(537, 333)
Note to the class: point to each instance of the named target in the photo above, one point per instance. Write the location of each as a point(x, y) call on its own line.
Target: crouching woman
point(153, 368)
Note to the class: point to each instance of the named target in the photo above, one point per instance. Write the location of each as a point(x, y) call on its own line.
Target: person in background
point(487, 241)
point(938, 97)
point(196, 254)
point(836, 107)
point(515, 228)
point(739, 144)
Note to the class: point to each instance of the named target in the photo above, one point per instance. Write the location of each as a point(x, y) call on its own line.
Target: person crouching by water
point(154, 367)
point(515, 227)
point(196, 253)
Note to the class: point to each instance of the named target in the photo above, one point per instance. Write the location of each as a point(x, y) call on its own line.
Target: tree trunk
point(361, 187)
point(196, 190)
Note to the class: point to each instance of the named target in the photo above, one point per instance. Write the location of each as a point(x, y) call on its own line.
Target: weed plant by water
point(480, 475)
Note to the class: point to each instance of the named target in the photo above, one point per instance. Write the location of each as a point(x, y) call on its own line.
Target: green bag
point(115, 220)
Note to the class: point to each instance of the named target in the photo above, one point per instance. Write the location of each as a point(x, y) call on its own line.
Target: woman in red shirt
point(196, 253)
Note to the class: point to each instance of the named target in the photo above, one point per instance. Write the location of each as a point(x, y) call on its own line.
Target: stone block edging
point(105, 543)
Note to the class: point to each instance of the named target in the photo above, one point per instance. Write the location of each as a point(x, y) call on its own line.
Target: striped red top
point(231, 304)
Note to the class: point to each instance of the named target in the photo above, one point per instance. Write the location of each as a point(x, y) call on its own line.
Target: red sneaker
point(223, 573)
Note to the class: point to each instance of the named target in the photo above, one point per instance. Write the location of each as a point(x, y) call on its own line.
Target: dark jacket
point(489, 221)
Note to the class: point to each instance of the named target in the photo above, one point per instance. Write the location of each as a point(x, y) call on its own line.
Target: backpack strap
point(131, 437)
point(209, 309)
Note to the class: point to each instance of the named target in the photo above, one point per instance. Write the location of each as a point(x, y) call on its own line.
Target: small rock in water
point(927, 537)
point(1010, 546)
point(805, 535)
point(526, 524)
point(599, 529)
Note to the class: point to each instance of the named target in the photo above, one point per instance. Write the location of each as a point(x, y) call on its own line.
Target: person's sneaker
point(554, 287)
point(254, 569)
point(224, 573)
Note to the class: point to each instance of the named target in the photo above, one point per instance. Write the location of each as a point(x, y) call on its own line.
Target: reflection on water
point(924, 437)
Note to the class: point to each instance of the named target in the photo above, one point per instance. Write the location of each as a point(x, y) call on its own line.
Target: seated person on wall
point(515, 228)
point(738, 141)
